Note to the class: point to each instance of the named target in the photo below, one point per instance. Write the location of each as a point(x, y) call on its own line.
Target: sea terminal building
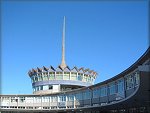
point(65, 90)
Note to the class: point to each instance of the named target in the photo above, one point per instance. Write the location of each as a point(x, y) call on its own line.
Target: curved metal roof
point(59, 69)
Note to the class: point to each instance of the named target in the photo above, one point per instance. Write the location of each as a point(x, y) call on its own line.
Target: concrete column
point(74, 99)
point(63, 75)
point(50, 102)
point(70, 76)
point(55, 75)
point(66, 100)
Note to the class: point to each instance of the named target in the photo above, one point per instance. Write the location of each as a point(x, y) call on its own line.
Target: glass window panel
point(32, 78)
point(51, 77)
point(85, 78)
point(45, 87)
point(137, 79)
point(36, 78)
point(66, 76)
point(78, 96)
point(103, 91)
point(120, 86)
point(70, 97)
point(50, 87)
point(87, 94)
point(45, 77)
point(53, 98)
point(62, 98)
point(80, 76)
point(40, 78)
point(96, 93)
point(45, 99)
point(129, 82)
point(89, 79)
point(21, 99)
point(73, 76)
point(112, 89)
point(37, 99)
point(59, 76)
point(41, 87)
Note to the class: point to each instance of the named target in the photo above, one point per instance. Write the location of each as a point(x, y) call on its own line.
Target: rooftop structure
point(48, 80)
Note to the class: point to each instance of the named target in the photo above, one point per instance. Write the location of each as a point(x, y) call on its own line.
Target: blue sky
point(104, 36)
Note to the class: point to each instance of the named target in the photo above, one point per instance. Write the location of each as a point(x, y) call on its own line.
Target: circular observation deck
point(50, 80)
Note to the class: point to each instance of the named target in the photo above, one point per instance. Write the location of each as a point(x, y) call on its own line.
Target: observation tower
point(47, 80)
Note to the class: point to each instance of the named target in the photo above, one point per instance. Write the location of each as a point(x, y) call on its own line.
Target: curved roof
point(59, 69)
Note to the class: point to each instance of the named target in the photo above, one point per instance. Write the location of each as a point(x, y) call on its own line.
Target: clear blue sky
point(104, 36)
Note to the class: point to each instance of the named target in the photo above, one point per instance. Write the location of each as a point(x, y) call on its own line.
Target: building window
point(53, 98)
point(73, 76)
point(45, 87)
point(41, 87)
point(112, 89)
point(66, 75)
point(45, 77)
point(120, 89)
point(32, 78)
point(80, 76)
point(59, 76)
point(129, 82)
point(120, 86)
point(89, 79)
point(62, 98)
point(103, 91)
point(45, 99)
point(92, 79)
point(51, 76)
point(21, 99)
point(36, 100)
point(37, 88)
point(70, 97)
point(85, 78)
point(36, 78)
point(87, 94)
point(50, 87)
point(78, 96)
point(40, 78)
point(136, 79)
point(96, 93)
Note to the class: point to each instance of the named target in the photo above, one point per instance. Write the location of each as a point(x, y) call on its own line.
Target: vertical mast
point(63, 64)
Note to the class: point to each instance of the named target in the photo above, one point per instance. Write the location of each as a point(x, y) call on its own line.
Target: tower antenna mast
point(63, 64)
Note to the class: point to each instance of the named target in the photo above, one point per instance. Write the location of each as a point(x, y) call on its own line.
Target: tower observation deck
point(47, 80)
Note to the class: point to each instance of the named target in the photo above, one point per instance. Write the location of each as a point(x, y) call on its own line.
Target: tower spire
point(63, 64)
